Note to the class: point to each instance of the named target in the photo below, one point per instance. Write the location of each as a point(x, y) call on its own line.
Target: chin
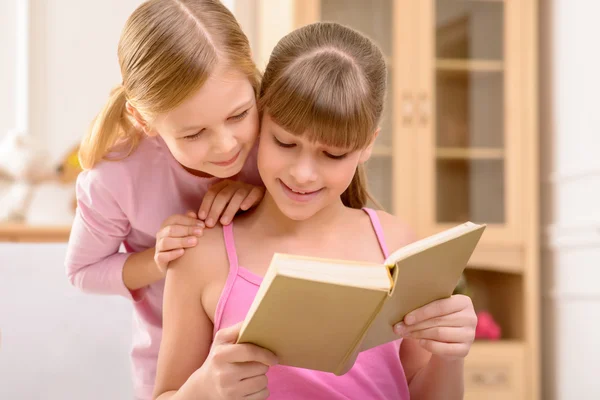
point(226, 172)
point(297, 215)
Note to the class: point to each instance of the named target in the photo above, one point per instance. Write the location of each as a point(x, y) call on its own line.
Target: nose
point(224, 141)
point(304, 170)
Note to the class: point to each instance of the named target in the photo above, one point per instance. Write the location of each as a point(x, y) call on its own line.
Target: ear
point(139, 119)
point(366, 153)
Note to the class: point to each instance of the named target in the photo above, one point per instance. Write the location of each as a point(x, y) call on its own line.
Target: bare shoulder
point(204, 262)
point(397, 232)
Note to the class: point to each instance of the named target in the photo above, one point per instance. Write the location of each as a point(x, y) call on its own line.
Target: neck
point(281, 225)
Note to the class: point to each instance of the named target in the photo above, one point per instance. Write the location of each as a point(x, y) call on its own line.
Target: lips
point(228, 162)
point(299, 195)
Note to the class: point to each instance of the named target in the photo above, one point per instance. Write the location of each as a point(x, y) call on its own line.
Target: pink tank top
point(377, 373)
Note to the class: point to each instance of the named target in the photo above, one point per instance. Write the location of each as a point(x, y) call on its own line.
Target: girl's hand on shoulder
point(235, 371)
point(224, 199)
point(444, 327)
point(177, 233)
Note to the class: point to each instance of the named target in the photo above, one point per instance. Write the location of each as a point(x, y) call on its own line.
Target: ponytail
point(111, 127)
point(357, 194)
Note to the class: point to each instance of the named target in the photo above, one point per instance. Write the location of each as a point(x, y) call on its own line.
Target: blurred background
point(490, 117)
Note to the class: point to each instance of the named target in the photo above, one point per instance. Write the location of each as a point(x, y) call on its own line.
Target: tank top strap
point(231, 276)
point(378, 230)
point(230, 247)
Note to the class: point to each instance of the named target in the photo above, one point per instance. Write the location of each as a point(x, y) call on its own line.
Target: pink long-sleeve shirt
point(126, 202)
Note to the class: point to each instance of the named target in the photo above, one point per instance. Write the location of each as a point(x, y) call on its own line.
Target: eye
point(239, 116)
point(284, 145)
point(335, 157)
point(194, 136)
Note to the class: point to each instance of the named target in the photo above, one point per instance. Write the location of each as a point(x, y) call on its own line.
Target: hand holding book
point(444, 327)
point(233, 370)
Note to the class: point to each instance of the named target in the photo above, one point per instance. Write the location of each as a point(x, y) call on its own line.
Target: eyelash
point(334, 157)
point(235, 118)
point(290, 145)
point(239, 116)
point(284, 145)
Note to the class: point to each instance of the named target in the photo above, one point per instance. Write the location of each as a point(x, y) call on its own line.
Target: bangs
point(323, 98)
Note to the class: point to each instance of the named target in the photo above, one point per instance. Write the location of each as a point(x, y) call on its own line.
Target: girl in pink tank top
point(321, 101)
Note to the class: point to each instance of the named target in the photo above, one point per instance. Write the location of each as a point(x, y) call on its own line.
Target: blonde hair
point(328, 82)
point(167, 50)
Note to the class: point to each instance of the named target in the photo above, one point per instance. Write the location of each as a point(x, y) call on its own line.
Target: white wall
point(570, 119)
point(7, 66)
point(73, 65)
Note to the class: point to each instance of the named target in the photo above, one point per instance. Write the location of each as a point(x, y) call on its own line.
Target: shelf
point(500, 295)
point(483, 346)
point(458, 153)
point(458, 65)
point(505, 259)
point(32, 234)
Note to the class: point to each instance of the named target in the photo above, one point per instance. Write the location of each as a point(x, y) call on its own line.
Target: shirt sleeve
point(94, 263)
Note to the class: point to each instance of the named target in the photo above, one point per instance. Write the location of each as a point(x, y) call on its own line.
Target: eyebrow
point(244, 104)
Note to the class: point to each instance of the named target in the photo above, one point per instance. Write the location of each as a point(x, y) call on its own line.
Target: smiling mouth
point(299, 195)
point(228, 162)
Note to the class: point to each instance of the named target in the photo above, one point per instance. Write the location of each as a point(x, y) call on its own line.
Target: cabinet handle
point(489, 379)
point(408, 108)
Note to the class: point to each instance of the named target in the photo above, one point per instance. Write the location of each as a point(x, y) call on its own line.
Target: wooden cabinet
point(459, 142)
point(495, 371)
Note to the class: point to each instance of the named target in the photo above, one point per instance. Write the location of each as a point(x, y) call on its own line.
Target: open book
point(320, 314)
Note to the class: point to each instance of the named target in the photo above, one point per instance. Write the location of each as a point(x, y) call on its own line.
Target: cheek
point(267, 156)
point(342, 174)
point(188, 153)
point(248, 127)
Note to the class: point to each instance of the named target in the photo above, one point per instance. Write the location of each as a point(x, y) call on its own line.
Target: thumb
point(228, 335)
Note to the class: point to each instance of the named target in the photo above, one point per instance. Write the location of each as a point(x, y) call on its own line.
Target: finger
point(438, 308)
point(445, 334)
point(209, 197)
point(458, 350)
point(227, 335)
point(246, 352)
point(179, 231)
point(179, 219)
point(247, 370)
point(263, 394)
point(253, 198)
point(171, 243)
point(253, 385)
point(457, 319)
point(233, 207)
point(162, 259)
point(219, 205)
point(191, 214)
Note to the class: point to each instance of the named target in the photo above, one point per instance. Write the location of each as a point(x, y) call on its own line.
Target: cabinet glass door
point(468, 146)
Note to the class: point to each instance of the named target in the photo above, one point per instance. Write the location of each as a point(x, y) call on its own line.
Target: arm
point(93, 261)
point(190, 364)
point(437, 336)
point(431, 376)
point(187, 329)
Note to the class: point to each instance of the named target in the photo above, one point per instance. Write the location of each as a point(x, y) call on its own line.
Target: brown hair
point(328, 82)
point(166, 52)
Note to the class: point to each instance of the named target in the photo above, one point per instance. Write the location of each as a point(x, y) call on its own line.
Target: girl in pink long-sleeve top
point(179, 133)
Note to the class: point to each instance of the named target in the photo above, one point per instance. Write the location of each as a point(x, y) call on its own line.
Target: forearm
point(140, 270)
point(439, 379)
